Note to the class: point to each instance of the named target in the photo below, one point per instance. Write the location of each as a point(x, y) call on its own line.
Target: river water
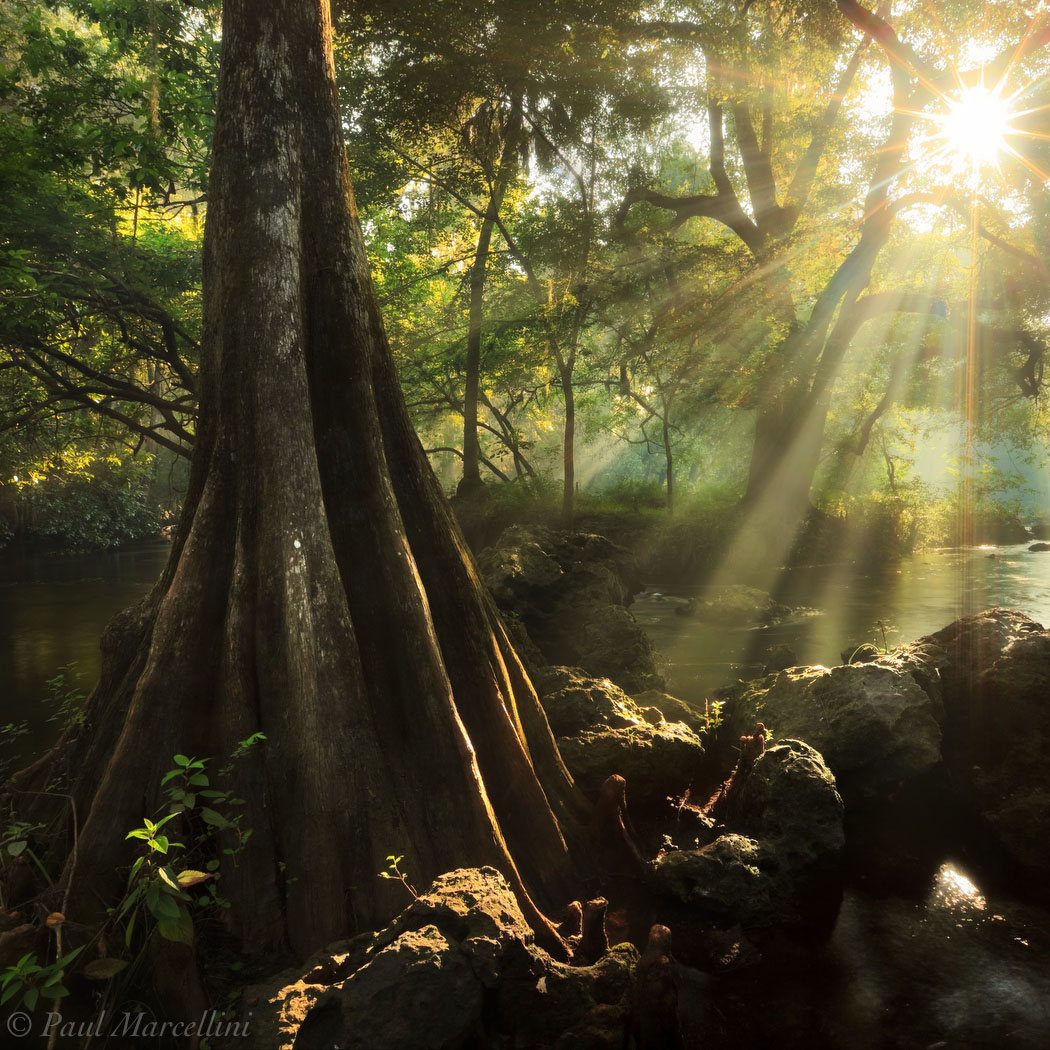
point(52, 613)
point(955, 964)
point(953, 961)
point(53, 610)
point(839, 607)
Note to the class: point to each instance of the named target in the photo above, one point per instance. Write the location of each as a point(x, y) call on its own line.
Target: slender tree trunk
point(669, 459)
point(568, 454)
point(317, 590)
point(471, 481)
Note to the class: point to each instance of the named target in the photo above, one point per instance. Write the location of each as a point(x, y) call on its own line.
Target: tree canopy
point(589, 225)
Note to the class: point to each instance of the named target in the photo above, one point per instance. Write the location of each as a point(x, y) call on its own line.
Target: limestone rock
point(997, 698)
point(607, 640)
point(569, 592)
point(791, 805)
point(457, 968)
point(516, 571)
point(656, 760)
point(601, 731)
point(737, 605)
point(574, 701)
point(873, 723)
point(672, 709)
point(723, 880)
point(781, 859)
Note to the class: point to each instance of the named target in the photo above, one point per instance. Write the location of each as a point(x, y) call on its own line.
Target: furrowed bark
point(318, 590)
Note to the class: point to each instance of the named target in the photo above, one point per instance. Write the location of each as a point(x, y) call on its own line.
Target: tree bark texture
point(318, 589)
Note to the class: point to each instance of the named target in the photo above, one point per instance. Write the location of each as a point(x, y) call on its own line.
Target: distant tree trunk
point(789, 432)
point(669, 459)
point(568, 452)
point(318, 589)
point(471, 481)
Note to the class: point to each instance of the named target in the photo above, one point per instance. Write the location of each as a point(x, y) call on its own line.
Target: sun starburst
point(974, 127)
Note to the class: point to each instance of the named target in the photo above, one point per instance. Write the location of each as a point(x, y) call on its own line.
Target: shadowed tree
point(318, 589)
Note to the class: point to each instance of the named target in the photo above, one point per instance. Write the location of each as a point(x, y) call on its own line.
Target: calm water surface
point(839, 607)
point(52, 612)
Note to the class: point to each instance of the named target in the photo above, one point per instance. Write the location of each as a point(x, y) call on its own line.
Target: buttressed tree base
point(318, 590)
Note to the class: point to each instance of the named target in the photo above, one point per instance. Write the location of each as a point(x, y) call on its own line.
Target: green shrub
point(90, 512)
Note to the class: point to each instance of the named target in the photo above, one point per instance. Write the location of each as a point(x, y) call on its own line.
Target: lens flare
point(974, 128)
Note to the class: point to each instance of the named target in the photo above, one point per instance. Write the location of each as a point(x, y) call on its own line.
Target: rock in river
point(780, 861)
point(874, 723)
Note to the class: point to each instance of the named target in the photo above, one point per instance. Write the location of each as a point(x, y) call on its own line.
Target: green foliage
point(65, 696)
point(27, 981)
point(713, 717)
point(105, 121)
point(393, 871)
point(95, 511)
point(875, 647)
point(158, 893)
point(155, 885)
point(15, 841)
point(563, 116)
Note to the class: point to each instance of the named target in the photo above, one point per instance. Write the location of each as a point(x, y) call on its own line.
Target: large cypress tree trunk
point(318, 589)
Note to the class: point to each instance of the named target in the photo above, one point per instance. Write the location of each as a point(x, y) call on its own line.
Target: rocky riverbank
point(717, 834)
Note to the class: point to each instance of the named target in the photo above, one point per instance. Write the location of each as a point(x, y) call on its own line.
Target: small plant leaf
point(179, 929)
point(189, 877)
point(17, 847)
point(67, 958)
point(130, 928)
point(168, 878)
point(104, 969)
point(216, 820)
point(164, 907)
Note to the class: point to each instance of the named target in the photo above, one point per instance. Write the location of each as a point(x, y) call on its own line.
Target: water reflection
point(840, 606)
point(52, 613)
point(961, 968)
point(952, 889)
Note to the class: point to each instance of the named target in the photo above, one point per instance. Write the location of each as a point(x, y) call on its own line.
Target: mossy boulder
point(602, 731)
point(873, 723)
point(780, 861)
point(996, 686)
point(568, 592)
